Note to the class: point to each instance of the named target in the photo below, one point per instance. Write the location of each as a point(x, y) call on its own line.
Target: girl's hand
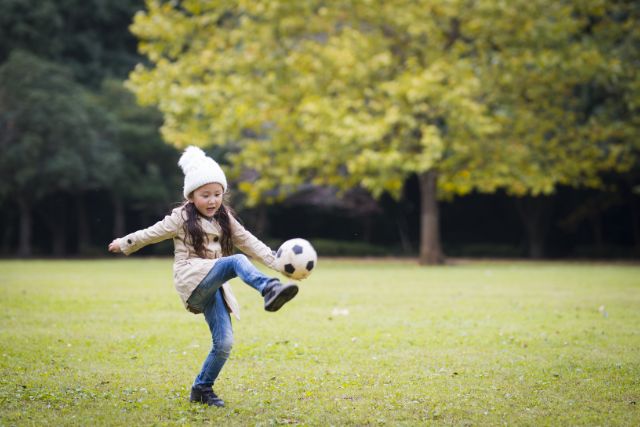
point(114, 246)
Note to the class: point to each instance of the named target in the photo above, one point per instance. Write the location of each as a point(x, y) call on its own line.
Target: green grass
point(108, 342)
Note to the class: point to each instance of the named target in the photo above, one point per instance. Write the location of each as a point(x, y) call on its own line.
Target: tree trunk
point(598, 233)
point(367, 228)
point(24, 245)
point(430, 248)
point(83, 225)
point(635, 222)
point(59, 240)
point(403, 229)
point(118, 217)
point(7, 237)
point(535, 213)
point(55, 220)
point(261, 220)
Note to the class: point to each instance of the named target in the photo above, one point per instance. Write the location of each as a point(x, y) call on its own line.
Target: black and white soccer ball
point(296, 258)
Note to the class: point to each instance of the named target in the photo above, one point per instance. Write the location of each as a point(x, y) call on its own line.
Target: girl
point(204, 233)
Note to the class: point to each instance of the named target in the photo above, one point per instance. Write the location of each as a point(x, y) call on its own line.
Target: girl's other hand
point(114, 246)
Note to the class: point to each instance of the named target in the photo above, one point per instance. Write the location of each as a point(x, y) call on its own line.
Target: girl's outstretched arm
point(161, 230)
point(251, 245)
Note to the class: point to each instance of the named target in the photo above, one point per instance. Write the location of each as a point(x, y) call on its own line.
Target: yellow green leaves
point(521, 95)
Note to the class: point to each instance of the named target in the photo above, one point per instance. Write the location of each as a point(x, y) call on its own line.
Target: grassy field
point(364, 343)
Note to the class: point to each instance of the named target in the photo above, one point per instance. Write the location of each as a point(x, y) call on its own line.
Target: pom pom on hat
point(190, 159)
point(199, 169)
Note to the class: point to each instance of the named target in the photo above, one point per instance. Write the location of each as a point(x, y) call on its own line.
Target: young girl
point(204, 233)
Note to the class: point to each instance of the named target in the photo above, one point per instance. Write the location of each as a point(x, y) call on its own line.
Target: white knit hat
point(199, 170)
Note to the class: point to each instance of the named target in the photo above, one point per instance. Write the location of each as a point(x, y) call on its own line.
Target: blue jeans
point(207, 297)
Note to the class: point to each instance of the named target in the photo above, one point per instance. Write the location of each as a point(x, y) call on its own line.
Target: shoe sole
point(286, 295)
point(218, 402)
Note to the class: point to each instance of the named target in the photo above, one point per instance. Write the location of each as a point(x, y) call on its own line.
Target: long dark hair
point(198, 237)
point(222, 216)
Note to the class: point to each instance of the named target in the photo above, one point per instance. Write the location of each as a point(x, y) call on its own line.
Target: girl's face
point(207, 198)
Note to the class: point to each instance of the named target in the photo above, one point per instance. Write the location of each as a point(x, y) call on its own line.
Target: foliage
point(565, 90)
point(88, 36)
point(147, 160)
point(68, 127)
point(369, 92)
point(48, 140)
point(363, 343)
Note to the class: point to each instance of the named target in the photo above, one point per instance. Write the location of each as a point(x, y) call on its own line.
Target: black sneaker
point(276, 295)
point(204, 394)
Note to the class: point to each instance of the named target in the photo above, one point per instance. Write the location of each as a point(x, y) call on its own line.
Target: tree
point(305, 91)
point(466, 95)
point(45, 127)
point(88, 36)
point(566, 94)
point(93, 47)
point(146, 160)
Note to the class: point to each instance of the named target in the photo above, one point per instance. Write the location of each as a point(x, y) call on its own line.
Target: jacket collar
point(209, 227)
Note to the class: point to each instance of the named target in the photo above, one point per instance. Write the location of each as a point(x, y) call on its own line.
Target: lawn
point(364, 343)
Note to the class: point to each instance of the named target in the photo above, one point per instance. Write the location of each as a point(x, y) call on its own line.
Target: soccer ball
point(296, 258)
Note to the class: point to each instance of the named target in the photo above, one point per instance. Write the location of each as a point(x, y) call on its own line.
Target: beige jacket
point(188, 268)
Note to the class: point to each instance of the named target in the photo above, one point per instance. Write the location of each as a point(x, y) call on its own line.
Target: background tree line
point(359, 116)
point(71, 135)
